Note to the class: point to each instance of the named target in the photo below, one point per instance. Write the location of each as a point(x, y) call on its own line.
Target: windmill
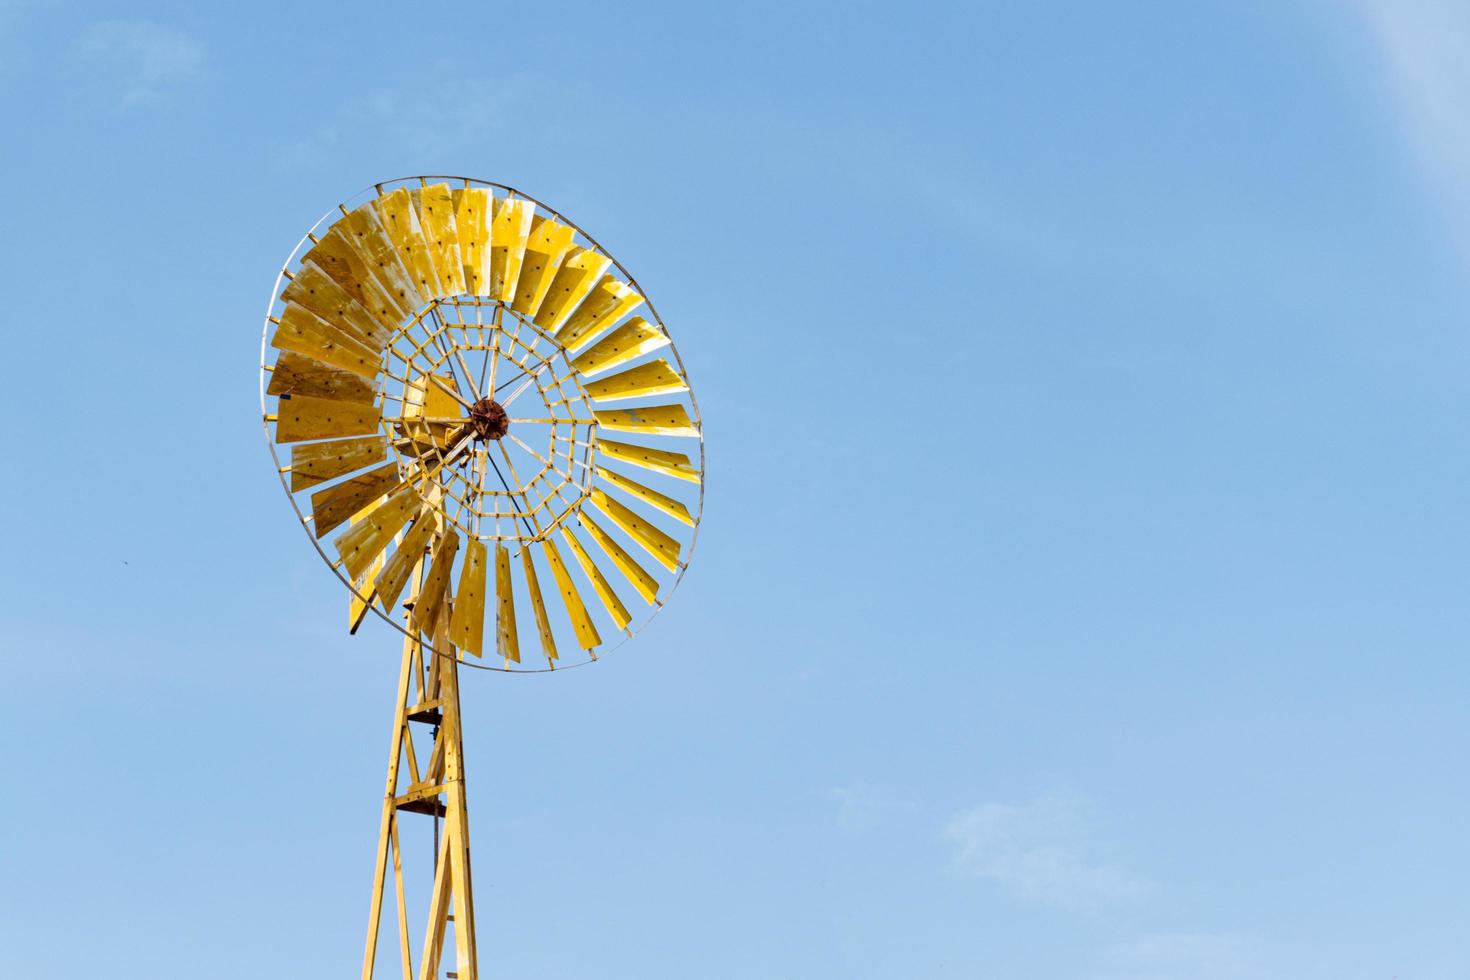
point(486, 432)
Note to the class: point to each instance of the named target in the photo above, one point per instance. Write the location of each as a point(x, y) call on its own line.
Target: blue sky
point(1081, 586)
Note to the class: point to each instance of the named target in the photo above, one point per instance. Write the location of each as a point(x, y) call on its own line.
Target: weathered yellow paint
point(429, 602)
point(662, 461)
point(587, 637)
point(550, 240)
point(315, 462)
point(538, 606)
point(435, 205)
point(645, 583)
point(302, 418)
point(316, 291)
point(573, 281)
point(654, 378)
point(304, 332)
point(474, 207)
point(610, 301)
point(373, 243)
point(401, 221)
point(648, 495)
point(363, 585)
point(370, 537)
point(467, 621)
point(337, 255)
point(410, 552)
point(335, 504)
point(663, 548)
point(509, 230)
point(600, 584)
point(657, 420)
point(507, 641)
point(422, 398)
point(297, 374)
point(633, 339)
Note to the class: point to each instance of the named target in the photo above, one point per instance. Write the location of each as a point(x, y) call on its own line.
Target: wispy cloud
point(149, 61)
point(1038, 851)
point(1423, 44)
point(404, 118)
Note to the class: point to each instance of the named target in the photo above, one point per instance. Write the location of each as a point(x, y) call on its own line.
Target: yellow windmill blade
point(628, 342)
point(507, 639)
point(303, 332)
point(655, 420)
point(467, 624)
point(317, 462)
point(510, 229)
point(302, 418)
point(296, 374)
point(400, 219)
point(608, 302)
point(572, 283)
point(460, 373)
point(473, 209)
point(664, 461)
point(315, 291)
point(549, 241)
point(436, 211)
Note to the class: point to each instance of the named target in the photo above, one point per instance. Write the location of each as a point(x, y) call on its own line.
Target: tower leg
point(428, 695)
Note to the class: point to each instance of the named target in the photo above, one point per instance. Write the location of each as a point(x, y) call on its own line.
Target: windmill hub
point(488, 419)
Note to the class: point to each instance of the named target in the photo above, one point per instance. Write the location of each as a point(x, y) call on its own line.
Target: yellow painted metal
point(654, 378)
point(401, 220)
point(435, 205)
point(663, 548)
point(662, 461)
point(313, 289)
point(582, 625)
point(645, 583)
point(550, 240)
point(304, 332)
point(600, 584)
point(434, 686)
point(375, 245)
point(467, 622)
point(302, 418)
point(656, 420)
point(648, 495)
point(335, 504)
point(410, 552)
point(538, 605)
point(429, 602)
point(337, 255)
point(633, 339)
point(369, 538)
point(506, 640)
point(572, 283)
point(316, 462)
point(509, 230)
point(297, 374)
point(363, 584)
point(422, 398)
point(474, 207)
point(610, 301)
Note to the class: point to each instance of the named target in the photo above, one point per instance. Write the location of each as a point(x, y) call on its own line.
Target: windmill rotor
point(457, 381)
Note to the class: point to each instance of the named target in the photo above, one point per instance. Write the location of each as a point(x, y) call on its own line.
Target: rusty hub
point(488, 419)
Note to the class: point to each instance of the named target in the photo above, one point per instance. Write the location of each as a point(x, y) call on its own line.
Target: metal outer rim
point(658, 603)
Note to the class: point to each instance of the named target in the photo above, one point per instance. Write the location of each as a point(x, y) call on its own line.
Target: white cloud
point(1036, 851)
point(148, 60)
point(1423, 44)
point(863, 809)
